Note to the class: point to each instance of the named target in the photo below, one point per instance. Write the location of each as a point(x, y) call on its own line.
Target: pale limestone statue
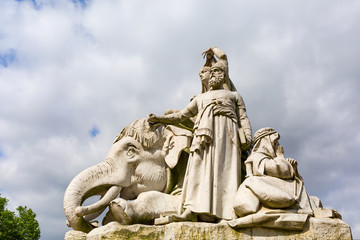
point(273, 193)
point(143, 178)
point(221, 130)
point(145, 164)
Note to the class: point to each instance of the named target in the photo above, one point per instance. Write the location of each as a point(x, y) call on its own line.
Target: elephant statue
point(145, 167)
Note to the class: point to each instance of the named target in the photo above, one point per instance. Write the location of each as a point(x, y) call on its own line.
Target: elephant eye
point(131, 151)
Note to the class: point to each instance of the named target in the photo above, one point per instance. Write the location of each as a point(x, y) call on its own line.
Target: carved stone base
point(315, 228)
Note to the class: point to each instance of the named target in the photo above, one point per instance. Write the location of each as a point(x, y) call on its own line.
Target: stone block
point(315, 228)
point(326, 213)
point(72, 235)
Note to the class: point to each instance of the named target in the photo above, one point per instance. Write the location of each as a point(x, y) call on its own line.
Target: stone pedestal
point(315, 228)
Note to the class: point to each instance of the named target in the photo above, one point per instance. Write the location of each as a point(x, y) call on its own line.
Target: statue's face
point(275, 139)
point(217, 77)
point(204, 74)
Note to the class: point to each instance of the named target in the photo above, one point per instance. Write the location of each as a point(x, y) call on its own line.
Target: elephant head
point(139, 160)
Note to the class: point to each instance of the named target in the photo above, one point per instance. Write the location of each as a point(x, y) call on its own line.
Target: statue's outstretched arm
point(177, 117)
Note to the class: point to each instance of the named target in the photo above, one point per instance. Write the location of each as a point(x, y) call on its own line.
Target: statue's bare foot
point(120, 211)
point(187, 215)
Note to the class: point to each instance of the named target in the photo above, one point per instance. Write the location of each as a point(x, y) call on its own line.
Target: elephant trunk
point(90, 182)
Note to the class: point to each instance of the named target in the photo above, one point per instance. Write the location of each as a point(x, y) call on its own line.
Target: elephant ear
point(177, 140)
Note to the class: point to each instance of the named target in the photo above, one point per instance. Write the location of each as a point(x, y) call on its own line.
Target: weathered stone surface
point(115, 230)
point(331, 228)
point(315, 228)
point(326, 213)
point(72, 235)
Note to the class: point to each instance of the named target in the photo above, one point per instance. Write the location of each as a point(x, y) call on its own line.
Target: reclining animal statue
point(145, 164)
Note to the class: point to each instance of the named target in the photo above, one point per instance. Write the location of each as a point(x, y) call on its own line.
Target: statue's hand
point(152, 118)
point(294, 164)
point(208, 54)
point(292, 161)
point(247, 145)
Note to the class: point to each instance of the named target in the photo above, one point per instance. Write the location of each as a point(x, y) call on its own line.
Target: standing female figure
point(213, 173)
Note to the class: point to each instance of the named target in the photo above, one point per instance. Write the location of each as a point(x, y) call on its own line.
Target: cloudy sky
point(74, 73)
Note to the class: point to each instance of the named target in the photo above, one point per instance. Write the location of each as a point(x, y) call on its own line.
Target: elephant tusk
point(101, 204)
point(94, 215)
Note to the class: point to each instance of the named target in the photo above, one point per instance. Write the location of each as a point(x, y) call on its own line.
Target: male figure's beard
point(215, 82)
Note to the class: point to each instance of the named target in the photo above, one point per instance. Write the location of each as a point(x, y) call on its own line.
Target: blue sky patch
point(8, 57)
point(1, 154)
point(36, 5)
point(82, 3)
point(94, 131)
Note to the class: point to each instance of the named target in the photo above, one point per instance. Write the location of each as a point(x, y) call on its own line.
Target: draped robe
point(213, 173)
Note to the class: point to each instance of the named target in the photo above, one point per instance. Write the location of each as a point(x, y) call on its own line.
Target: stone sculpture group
point(190, 165)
